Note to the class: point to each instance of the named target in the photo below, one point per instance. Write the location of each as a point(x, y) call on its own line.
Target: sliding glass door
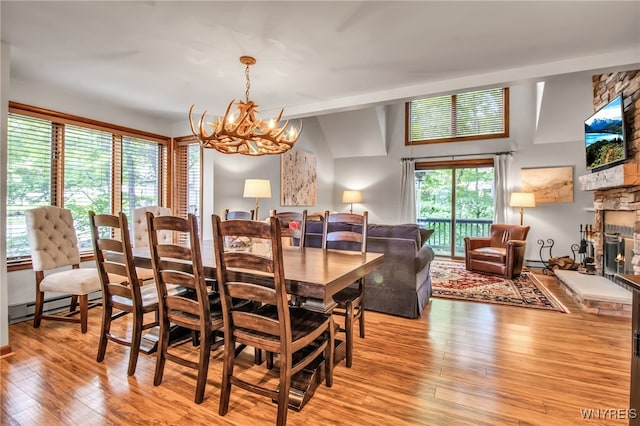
point(456, 200)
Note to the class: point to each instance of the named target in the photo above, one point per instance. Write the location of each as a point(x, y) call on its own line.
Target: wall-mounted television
point(604, 136)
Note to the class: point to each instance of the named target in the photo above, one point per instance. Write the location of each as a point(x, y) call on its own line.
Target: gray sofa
point(402, 286)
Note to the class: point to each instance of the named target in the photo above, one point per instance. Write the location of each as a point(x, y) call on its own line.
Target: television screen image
point(604, 136)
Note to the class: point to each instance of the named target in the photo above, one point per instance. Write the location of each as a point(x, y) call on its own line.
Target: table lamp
point(522, 200)
point(351, 197)
point(257, 188)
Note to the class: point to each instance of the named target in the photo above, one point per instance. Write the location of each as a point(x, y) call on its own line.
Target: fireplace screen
point(617, 253)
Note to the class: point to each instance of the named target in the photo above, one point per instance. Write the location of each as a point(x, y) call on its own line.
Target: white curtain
point(501, 164)
point(408, 192)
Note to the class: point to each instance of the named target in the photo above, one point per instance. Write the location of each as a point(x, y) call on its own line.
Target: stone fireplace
point(617, 190)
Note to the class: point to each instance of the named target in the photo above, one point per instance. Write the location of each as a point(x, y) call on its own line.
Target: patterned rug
point(450, 280)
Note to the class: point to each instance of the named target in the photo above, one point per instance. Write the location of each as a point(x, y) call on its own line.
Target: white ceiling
point(313, 57)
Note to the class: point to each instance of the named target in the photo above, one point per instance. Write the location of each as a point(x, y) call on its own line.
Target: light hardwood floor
point(461, 363)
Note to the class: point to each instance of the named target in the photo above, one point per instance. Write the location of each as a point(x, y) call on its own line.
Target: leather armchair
point(502, 253)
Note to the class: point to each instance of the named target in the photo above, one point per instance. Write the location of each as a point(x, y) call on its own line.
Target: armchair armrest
point(515, 256)
point(516, 243)
point(472, 243)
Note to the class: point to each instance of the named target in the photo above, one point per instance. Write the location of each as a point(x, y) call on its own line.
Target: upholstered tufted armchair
point(140, 233)
point(54, 244)
point(502, 253)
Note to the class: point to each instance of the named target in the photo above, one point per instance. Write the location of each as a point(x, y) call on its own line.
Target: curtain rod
point(453, 156)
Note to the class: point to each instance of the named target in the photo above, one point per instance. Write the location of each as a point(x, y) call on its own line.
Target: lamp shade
point(351, 197)
point(522, 199)
point(257, 188)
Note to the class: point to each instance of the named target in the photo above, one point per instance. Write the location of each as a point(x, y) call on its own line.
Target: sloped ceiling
point(359, 133)
point(564, 102)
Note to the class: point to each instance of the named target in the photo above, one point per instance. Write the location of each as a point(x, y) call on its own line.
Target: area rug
point(450, 280)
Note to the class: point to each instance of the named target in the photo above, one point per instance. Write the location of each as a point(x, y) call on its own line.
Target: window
point(456, 200)
point(79, 164)
point(476, 115)
point(142, 180)
point(29, 144)
point(188, 178)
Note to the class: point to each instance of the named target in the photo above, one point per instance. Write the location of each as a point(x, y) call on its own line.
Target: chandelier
point(240, 131)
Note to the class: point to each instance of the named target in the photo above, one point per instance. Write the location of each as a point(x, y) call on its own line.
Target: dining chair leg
point(74, 303)
point(203, 367)
point(348, 330)
point(107, 311)
point(161, 358)
point(37, 318)
point(84, 312)
point(269, 360)
point(136, 337)
point(361, 320)
point(283, 389)
point(227, 372)
point(329, 356)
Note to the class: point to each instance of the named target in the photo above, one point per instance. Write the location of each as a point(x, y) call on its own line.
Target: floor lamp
point(522, 200)
point(257, 188)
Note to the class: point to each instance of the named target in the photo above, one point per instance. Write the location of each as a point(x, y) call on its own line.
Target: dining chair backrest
point(52, 238)
point(293, 225)
point(187, 312)
point(238, 214)
point(122, 288)
point(268, 261)
point(114, 257)
point(140, 232)
point(181, 265)
point(345, 231)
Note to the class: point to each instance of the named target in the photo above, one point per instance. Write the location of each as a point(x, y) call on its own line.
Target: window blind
point(480, 114)
point(87, 177)
point(28, 176)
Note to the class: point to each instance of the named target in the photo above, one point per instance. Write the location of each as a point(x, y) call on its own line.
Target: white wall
point(52, 98)
point(379, 177)
point(5, 60)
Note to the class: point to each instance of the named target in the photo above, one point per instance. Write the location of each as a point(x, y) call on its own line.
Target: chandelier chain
point(246, 93)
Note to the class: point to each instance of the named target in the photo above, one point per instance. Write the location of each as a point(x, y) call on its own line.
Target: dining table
point(313, 276)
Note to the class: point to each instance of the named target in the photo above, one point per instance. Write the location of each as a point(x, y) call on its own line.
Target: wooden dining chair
point(199, 310)
point(298, 336)
point(238, 214)
point(54, 244)
point(123, 291)
point(293, 226)
point(348, 231)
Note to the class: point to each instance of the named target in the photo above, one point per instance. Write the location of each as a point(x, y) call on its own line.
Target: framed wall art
point(549, 184)
point(298, 183)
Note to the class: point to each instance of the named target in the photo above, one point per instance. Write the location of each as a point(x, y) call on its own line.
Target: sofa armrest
point(424, 256)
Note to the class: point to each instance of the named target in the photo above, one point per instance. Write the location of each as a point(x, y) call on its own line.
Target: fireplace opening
point(617, 242)
point(617, 254)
